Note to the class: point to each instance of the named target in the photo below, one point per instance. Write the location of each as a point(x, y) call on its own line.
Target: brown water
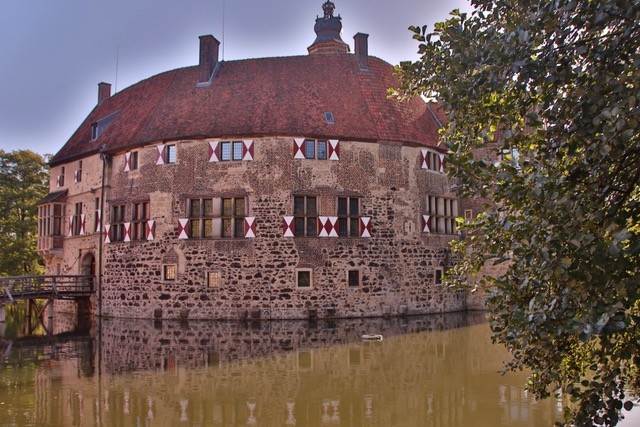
point(428, 371)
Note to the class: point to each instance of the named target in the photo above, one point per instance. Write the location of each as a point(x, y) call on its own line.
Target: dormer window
point(328, 117)
point(94, 131)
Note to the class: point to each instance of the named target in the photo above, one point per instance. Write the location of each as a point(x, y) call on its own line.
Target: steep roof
point(285, 96)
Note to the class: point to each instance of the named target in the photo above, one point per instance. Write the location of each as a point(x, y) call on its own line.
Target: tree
point(24, 180)
point(551, 90)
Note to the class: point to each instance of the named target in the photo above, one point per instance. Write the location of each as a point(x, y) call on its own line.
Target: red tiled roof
point(285, 96)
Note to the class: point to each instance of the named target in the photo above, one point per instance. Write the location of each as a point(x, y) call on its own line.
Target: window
point(442, 213)
point(438, 276)
point(315, 149)
point(213, 279)
point(231, 150)
point(353, 278)
point(139, 217)
point(133, 161)
point(305, 211)
point(304, 278)
point(217, 217)
point(170, 153)
point(61, 177)
point(328, 117)
point(348, 216)
point(117, 223)
point(432, 160)
point(78, 177)
point(468, 215)
point(96, 217)
point(94, 131)
point(76, 222)
point(50, 220)
point(169, 272)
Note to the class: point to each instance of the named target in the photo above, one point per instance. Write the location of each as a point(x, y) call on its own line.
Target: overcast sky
point(53, 53)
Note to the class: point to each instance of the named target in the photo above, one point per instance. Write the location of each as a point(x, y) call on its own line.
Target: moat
point(436, 370)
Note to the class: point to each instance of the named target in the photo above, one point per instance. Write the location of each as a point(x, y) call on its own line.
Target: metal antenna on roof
point(115, 90)
point(223, 3)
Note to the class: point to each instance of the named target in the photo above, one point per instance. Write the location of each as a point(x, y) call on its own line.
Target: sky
point(53, 53)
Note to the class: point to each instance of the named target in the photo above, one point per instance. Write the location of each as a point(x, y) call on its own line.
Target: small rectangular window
point(213, 279)
point(438, 276)
point(169, 272)
point(171, 153)
point(133, 161)
point(305, 209)
point(348, 216)
point(140, 217)
point(225, 151)
point(322, 150)
point(353, 278)
point(237, 150)
point(304, 278)
point(94, 131)
point(310, 149)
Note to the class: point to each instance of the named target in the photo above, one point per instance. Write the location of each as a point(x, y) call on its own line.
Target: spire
point(328, 8)
point(328, 29)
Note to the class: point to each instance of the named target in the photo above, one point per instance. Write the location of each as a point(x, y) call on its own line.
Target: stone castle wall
point(397, 264)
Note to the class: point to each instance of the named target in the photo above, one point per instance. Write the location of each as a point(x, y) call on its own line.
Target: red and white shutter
point(213, 151)
point(334, 149)
point(183, 226)
point(70, 231)
point(250, 226)
point(298, 148)
point(247, 150)
point(150, 230)
point(365, 226)
point(82, 224)
point(75, 177)
point(442, 162)
point(288, 229)
point(98, 221)
point(58, 180)
point(127, 231)
point(127, 162)
point(327, 226)
point(424, 159)
point(107, 229)
point(160, 154)
point(426, 223)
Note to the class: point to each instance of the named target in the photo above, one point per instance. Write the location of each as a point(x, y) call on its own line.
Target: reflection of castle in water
point(435, 370)
point(148, 345)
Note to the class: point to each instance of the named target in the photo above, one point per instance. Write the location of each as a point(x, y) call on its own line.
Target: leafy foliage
point(24, 180)
point(543, 102)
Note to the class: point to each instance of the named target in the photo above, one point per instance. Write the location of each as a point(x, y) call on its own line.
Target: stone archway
point(87, 268)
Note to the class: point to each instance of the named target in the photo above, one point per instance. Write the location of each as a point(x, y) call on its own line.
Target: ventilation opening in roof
point(329, 118)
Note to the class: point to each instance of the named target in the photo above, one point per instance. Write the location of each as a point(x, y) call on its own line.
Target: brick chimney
point(209, 47)
point(362, 50)
point(104, 92)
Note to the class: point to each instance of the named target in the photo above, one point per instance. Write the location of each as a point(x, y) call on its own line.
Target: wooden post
point(51, 332)
point(3, 314)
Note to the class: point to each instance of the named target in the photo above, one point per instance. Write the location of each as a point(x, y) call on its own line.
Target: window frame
point(214, 276)
point(168, 149)
point(438, 273)
point(298, 271)
point(76, 221)
point(139, 224)
point(133, 160)
point(348, 221)
point(79, 172)
point(118, 214)
point(359, 278)
point(442, 215)
point(315, 143)
point(50, 223)
point(169, 268)
point(230, 223)
point(307, 217)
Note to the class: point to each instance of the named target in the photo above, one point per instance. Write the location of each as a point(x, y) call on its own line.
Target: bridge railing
point(34, 287)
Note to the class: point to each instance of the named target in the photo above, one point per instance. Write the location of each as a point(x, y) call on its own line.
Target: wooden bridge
point(47, 288)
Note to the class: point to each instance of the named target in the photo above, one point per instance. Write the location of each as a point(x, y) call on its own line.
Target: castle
point(270, 188)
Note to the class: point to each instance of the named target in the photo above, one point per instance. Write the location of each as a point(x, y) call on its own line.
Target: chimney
point(209, 47)
point(362, 50)
point(104, 92)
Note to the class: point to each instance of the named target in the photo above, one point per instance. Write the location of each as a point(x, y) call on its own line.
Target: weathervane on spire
point(328, 8)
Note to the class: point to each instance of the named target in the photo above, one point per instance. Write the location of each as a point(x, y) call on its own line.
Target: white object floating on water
point(372, 337)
